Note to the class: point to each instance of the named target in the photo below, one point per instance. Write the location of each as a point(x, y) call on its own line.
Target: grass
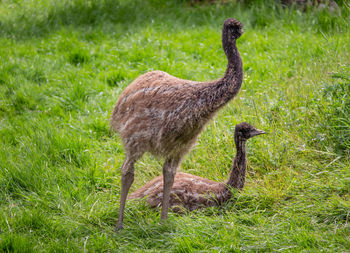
point(63, 65)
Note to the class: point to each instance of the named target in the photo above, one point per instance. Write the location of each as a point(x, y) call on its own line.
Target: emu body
point(192, 192)
point(164, 115)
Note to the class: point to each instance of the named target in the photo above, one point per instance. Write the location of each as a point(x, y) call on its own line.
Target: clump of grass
point(337, 111)
point(78, 57)
point(16, 243)
point(115, 77)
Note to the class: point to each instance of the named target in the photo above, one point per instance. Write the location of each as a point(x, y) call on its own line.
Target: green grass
point(63, 65)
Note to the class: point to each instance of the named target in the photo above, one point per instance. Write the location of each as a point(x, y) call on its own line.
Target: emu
point(163, 115)
point(192, 192)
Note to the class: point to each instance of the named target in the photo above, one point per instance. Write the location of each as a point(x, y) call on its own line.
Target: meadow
point(63, 65)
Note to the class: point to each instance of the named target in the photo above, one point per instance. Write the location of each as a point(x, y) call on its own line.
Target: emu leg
point(127, 180)
point(169, 171)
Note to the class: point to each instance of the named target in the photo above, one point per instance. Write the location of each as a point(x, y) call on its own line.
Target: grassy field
point(63, 65)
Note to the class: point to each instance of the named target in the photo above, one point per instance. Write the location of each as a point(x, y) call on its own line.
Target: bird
point(164, 115)
point(190, 192)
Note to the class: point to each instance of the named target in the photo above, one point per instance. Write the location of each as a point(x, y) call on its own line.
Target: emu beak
point(258, 132)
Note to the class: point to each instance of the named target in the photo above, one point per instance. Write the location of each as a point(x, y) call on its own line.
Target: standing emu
point(163, 115)
point(192, 192)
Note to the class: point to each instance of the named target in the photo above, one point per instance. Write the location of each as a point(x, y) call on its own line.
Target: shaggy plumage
point(164, 115)
point(191, 192)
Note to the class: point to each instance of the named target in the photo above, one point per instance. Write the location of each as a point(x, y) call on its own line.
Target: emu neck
point(238, 171)
point(234, 71)
point(218, 93)
point(237, 174)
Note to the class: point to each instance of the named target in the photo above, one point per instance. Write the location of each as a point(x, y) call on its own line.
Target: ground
point(63, 65)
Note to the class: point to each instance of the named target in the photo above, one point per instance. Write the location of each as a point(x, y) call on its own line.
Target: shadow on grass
point(143, 227)
point(40, 18)
point(28, 20)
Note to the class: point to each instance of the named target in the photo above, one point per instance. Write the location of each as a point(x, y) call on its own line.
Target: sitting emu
point(192, 192)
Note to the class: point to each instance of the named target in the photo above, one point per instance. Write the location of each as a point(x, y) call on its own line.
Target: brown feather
point(163, 115)
point(192, 192)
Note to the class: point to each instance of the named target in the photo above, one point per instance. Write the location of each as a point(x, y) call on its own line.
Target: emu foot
point(118, 228)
